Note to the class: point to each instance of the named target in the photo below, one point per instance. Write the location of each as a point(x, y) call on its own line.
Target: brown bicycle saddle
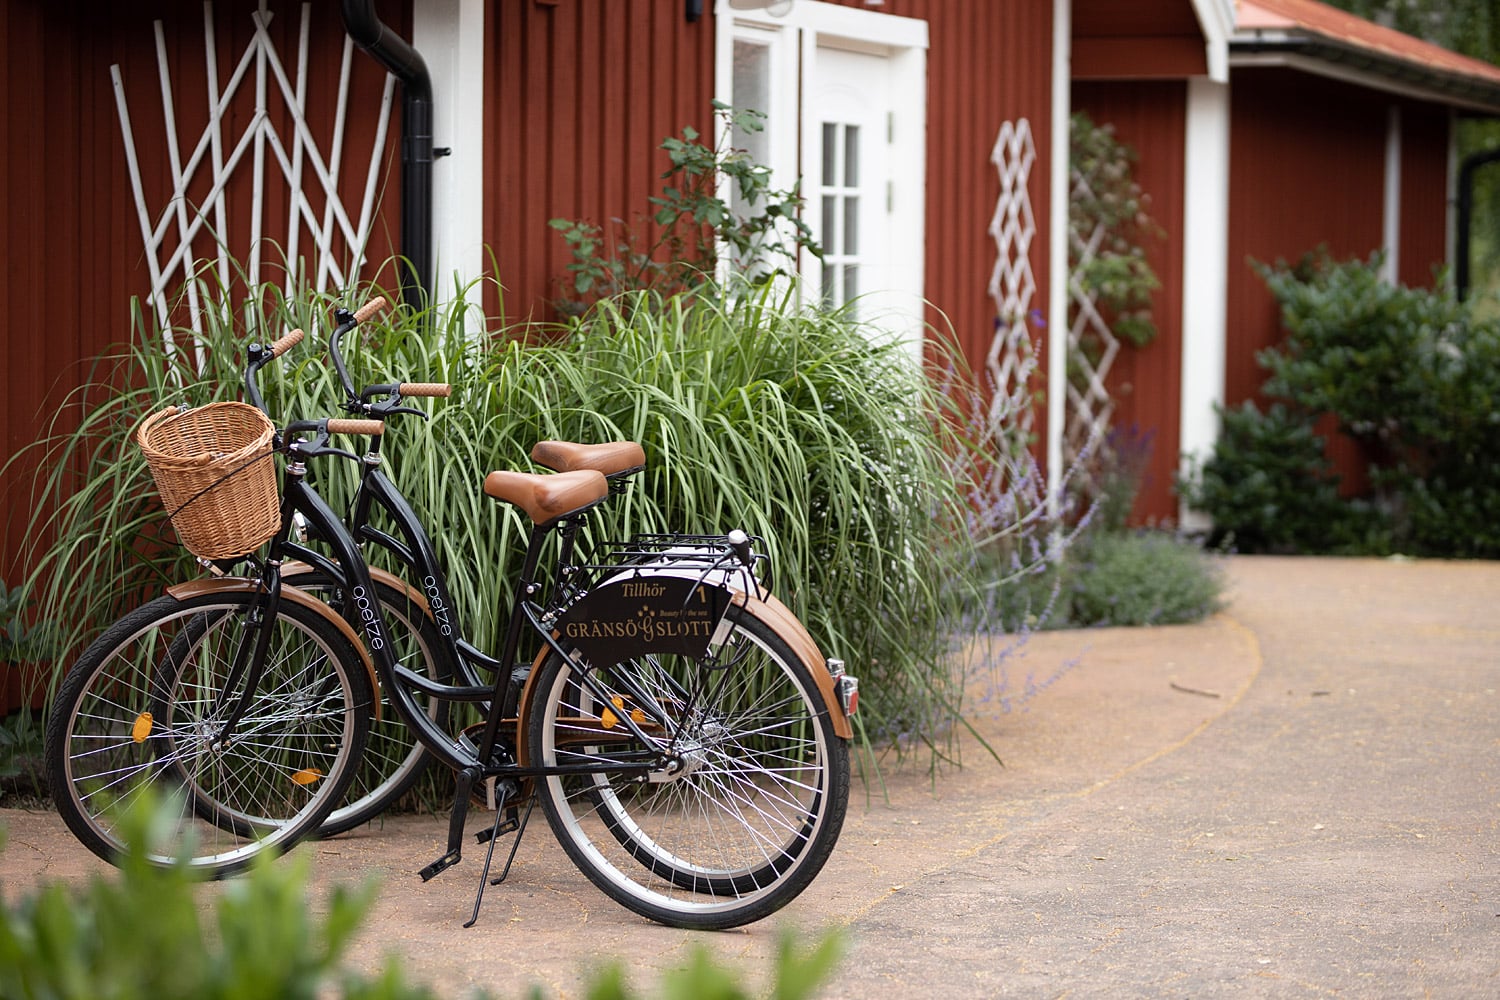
point(548, 496)
point(612, 458)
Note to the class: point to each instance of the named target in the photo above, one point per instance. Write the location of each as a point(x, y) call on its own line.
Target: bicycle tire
point(756, 809)
point(135, 714)
point(394, 761)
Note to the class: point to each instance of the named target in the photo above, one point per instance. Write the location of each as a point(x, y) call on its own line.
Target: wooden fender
point(240, 585)
point(788, 628)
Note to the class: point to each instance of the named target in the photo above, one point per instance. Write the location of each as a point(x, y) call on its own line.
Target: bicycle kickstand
point(464, 782)
point(505, 822)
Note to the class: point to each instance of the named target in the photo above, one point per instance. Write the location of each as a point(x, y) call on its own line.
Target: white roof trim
point(1216, 18)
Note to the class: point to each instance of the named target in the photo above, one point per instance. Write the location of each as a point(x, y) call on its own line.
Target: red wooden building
point(929, 135)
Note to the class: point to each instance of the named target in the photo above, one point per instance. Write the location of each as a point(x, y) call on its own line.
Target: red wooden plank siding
point(579, 97)
point(569, 140)
point(1307, 169)
point(1157, 40)
point(1424, 194)
point(1150, 117)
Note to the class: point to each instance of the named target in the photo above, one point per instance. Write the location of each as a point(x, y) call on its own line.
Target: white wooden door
point(852, 203)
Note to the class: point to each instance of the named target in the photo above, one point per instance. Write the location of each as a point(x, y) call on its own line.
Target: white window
point(845, 99)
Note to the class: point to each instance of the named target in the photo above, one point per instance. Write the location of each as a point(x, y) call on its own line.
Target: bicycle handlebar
point(375, 306)
point(258, 356)
point(424, 389)
point(342, 425)
point(361, 401)
point(286, 343)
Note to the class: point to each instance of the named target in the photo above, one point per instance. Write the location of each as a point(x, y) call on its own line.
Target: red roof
point(1308, 17)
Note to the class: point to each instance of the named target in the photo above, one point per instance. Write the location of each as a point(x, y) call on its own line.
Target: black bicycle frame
point(418, 553)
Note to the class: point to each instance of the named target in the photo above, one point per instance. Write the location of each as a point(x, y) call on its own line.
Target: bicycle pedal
point(509, 825)
point(439, 866)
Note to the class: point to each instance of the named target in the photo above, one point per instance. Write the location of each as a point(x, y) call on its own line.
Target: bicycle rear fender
point(790, 630)
point(240, 585)
point(668, 611)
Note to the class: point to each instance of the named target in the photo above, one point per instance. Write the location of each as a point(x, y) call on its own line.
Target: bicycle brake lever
point(387, 407)
point(316, 445)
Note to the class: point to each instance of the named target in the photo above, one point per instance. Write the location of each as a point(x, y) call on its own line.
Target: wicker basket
point(213, 467)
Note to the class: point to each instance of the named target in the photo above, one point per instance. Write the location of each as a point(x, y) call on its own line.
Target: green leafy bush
point(142, 934)
point(1114, 578)
point(678, 248)
point(1411, 376)
point(1107, 574)
point(1141, 579)
point(1271, 488)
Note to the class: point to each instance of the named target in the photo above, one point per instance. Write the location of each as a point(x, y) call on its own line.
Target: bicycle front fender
point(240, 585)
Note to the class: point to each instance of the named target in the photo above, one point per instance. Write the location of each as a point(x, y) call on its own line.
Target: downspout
point(1057, 252)
point(397, 56)
point(1465, 219)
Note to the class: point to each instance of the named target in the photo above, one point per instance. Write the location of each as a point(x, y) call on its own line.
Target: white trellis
point(1011, 360)
point(259, 67)
point(1089, 404)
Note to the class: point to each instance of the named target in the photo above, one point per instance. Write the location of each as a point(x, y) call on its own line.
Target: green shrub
point(1270, 487)
point(1411, 376)
point(1141, 579)
point(142, 935)
point(1114, 578)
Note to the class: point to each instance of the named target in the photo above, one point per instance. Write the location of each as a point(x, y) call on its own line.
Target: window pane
point(752, 92)
point(752, 76)
point(851, 156)
point(851, 281)
point(830, 153)
point(829, 236)
point(851, 225)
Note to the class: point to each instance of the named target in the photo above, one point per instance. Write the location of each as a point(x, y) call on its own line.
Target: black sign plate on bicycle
point(634, 614)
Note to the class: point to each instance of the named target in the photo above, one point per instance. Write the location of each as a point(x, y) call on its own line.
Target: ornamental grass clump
point(804, 428)
point(798, 426)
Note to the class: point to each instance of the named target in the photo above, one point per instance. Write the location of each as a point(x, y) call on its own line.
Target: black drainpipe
point(1465, 218)
point(396, 55)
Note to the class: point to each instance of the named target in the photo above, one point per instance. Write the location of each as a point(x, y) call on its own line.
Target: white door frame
point(796, 35)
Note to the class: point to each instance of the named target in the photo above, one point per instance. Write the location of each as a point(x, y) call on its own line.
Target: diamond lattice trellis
point(1092, 345)
point(169, 233)
point(1011, 360)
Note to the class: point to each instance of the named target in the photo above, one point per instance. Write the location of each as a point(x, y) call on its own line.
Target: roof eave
point(1351, 63)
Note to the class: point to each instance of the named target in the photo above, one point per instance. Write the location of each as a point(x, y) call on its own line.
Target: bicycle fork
point(249, 661)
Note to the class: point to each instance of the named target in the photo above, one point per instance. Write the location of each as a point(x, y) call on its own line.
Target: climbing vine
point(1109, 228)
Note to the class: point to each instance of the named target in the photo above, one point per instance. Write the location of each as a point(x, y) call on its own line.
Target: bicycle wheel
point(393, 760)
point(144, 707)
point(748, 813)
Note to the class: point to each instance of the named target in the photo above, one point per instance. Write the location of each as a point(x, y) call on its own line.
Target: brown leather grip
point(371, 308)
point(343, 425)
point(286, 343)
point(425, 389)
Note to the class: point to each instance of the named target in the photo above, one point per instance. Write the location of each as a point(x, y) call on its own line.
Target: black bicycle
point(684, 736)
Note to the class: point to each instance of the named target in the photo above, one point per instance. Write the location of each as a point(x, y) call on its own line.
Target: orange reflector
point(610, 720)
point(306, 776)
point(142, 727)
